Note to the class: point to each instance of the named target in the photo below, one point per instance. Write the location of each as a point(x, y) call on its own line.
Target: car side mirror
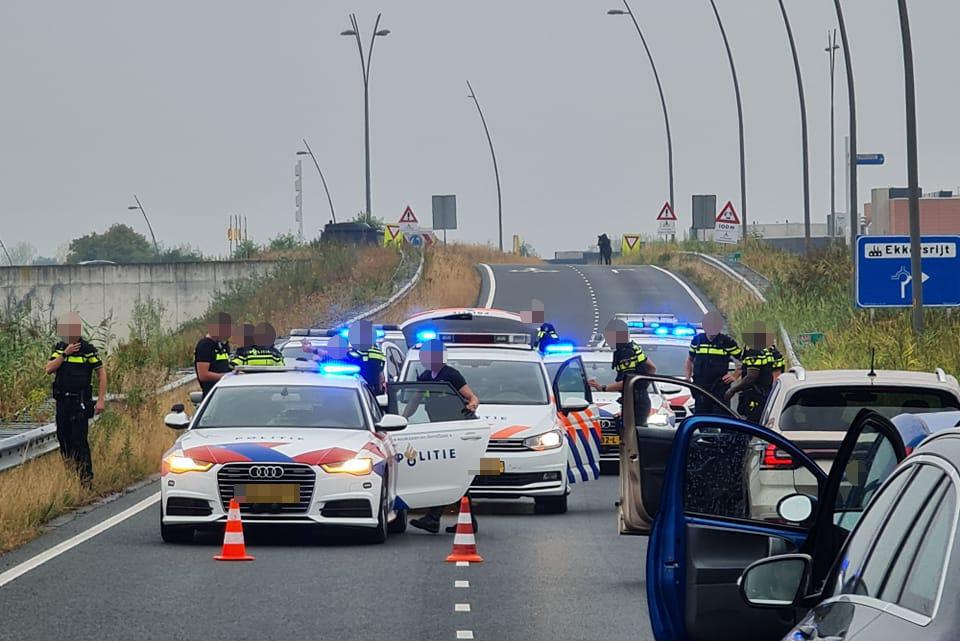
point(574, 404)
point(391, 423)
point(196, 397)
point(796, 508)
point(383, 401)
point(177, 419)
point(775, 582)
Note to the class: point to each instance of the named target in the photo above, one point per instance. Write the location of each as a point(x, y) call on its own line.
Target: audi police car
point(310, 445)
point(546, 432)
point(389, 338)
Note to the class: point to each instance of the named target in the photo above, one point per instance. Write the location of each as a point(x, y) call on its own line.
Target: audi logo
point(266, 472)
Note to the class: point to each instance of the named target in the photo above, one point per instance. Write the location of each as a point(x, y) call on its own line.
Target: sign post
point(883, 271)
point(727, 226)
point(667, 222)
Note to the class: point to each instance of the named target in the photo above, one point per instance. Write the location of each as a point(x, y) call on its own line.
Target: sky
point(199, 108)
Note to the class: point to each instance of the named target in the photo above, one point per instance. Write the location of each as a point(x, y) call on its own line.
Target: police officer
point(756, 378)
point(709, 361)
point(211, 358)
point(73, 362)
point(258, 349)
point(628, 359)
point(365, 353)
point(546, 335)
point(778, 362)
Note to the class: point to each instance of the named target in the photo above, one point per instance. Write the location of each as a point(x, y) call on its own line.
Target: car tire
point(399, 524)
point(551, 504)
point(379, 533)
point(175, 533)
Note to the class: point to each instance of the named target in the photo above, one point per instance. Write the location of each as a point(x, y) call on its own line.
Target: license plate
point(610, 440)
point(491, 466)
point(267, 493)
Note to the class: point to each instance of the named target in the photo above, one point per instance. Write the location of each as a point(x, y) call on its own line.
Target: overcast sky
point(199, 107)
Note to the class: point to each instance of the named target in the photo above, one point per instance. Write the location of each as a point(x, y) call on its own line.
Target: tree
point(23, 253)
point(370, 219)
point(284, 242)
point(120, 243)
point(182, 254)
point(245, 249)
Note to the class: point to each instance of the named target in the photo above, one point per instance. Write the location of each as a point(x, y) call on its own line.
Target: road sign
point(409, 222)
point(666, 220)
point(727, 225)
point(629, 244)
point(883, 271)
point(415, 239)
point(806, 339)
point(870, 159)
point(444, 212)
point(392, 236)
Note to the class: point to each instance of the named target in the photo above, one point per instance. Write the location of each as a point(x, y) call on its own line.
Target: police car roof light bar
point(559, 348)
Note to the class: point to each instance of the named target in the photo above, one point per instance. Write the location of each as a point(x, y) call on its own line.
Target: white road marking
point(464, 634)
point(696, 299)
point(461, 607)
point(461, 584)
point(493, 286)
point(463, 564)
point(593, 301)
point(38, 560)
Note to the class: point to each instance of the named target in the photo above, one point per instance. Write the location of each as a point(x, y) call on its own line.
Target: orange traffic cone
point(464, 545)
point(233, 546)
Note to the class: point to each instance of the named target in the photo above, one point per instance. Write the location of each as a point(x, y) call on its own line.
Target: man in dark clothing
point(756, 378)
point(628, 359)
point(605, 249)
point(435, 369)
point(708, 363)
point(365, 353)
point(258, 349)
point(73, 362)
point(211, 358)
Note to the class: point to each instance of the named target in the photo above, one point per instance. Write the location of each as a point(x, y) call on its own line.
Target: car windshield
point(669, 359)
point(499, 382)
point(834, 408)
point(283, 406)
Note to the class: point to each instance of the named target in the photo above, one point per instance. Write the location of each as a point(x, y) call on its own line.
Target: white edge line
point(58, 549)
point(686, 288)
point(493, 286)
point(461, 584)
point(463, 564)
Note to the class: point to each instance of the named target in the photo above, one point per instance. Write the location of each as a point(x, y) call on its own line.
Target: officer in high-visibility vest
point(628, 359)
point(756, 377)
point(546, 335)
point(258, 349)
point(708, 363)
point(365, 353)
point(211, 358)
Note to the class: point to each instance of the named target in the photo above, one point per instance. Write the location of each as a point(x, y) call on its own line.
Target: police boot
point(427, 522)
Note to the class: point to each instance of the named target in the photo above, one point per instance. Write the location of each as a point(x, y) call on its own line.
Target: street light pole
point(831, 49)
point(139, 206)
point(6, 253)
point(365, 61)
point(663, 101)
point(309, 152)
point(913, 178)
point(803, 131)
point(493, 154)
point(852, 98)
point(736, 88)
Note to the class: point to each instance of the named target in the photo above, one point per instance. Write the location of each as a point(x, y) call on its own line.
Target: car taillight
point(908, 450)
point(776, 459)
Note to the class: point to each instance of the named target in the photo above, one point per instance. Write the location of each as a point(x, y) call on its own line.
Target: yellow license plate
point(267, 493)
point(491, 466)
point(502, 467)
point(610, 440)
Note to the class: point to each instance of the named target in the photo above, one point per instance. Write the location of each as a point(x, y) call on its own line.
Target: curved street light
point(365, 61)
point(663, 101)
point(852, 161)
point(139, 206)
point(831, 50)
point(309, 152)
point(496, 171)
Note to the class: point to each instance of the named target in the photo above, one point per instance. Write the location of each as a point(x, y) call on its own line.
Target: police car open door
point(439, 451)
point(580, 418)
point(729, 498)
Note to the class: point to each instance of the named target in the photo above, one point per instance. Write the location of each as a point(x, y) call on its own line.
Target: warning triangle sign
point(409, 217)
point(728, 215)
point(667, 212)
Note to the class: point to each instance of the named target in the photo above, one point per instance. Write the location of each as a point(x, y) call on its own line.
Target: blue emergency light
point(345, 332)
point(661, 331)
point(684, 330)
point(559, 348)
point(425, 335)
point(339, 369)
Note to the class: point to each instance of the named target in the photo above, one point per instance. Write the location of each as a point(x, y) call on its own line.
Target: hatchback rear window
point(834, 408)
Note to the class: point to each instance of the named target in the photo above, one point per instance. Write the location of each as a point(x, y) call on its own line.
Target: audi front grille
point(608, 426)
point(232, 474)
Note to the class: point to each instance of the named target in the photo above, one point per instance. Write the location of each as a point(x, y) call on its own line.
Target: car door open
point(580, 418)
point(440, 450)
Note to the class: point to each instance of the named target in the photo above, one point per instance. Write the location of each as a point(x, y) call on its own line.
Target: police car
point(597, 362)
point(311, 445)
point(389, 339)
point(665, 340)
point(546, 432)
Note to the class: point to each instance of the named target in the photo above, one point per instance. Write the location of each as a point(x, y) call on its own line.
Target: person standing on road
point(72, 363)
point(605, 249)
point(756, 378)
point(708, 363)
point(211, 358)
point(436, 369)
point(628, 359)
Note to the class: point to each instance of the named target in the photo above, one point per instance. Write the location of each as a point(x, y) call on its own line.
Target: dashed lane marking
point(463, 564)
point(461, 607)
point(461, 584)
point(464, 634)
point(593, 301)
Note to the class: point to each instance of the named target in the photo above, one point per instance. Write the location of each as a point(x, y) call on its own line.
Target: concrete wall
point(101, 291)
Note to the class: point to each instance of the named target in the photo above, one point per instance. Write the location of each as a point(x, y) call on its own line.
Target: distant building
point(887, 213)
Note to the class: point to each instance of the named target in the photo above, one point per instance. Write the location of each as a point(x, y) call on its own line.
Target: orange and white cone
point(464, 544)
point(233, 546)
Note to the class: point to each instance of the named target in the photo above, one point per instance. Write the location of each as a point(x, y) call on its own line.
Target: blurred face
point(264, 335)
point(221, 328)
point(69, 328)
point(337, 348)
point(431, 355)
point(616, 333)
point(535, 315)
point(758, 336)
point(712, 323)
point(361, 335)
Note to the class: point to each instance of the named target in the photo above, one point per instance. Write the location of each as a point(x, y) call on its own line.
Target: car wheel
point(551, 504)
point(175, 533)
point(399, 524)
point(379, 533)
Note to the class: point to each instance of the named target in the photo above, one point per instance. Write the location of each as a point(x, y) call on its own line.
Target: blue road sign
point(870, 159)
point(883, 271)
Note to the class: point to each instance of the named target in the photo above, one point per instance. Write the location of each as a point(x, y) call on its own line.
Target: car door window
point(872, 461)
point(427, 402)
point(733, 475)
point(375, 409)
point(571, 381)
point(923, 586)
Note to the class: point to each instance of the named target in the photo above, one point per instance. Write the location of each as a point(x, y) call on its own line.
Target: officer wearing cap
point(546, 335)
point(211, 358)
point(708, 363)
point(756, 378)
point(628, 359)
point(72, 363)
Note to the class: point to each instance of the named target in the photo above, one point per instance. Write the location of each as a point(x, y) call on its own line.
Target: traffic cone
point(464, 545)
point(233, 546)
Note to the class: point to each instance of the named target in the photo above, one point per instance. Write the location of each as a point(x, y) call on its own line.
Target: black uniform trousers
point(73, 425)
point(703, 405)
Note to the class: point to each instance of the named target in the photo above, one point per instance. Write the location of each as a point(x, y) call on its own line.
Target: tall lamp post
point(493, 154)
point(831, 50)
point(736, 89)
point(663, 101)
point(309, 152)
point(803, 131)
point(6, 253)
point(913, 178)
point(365, 60)
point(139, 206)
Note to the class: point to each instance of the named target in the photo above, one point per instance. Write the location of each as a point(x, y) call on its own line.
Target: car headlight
point(177, 463)
point(355, 466)
point(546, 441)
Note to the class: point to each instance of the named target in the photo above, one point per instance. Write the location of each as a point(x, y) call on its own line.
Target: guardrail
point(399, 294)
point(756, 284)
